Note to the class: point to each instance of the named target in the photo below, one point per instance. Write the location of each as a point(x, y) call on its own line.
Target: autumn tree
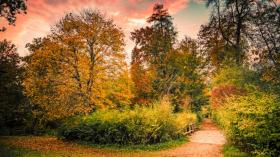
point(119, 89)
point(162, 67)
point(141, 71)
point(71, 70)
point(152, 45)
point(10, 8)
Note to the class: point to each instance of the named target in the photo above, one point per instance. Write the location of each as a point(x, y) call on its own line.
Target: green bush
point(142, 125)
point(252, 122)
point(236, 76)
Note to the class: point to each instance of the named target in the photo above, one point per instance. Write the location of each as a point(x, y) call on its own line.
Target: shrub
point(142, 125)
point(232, 151)
point(235, 75)
point(252, 122)
point(220, 93)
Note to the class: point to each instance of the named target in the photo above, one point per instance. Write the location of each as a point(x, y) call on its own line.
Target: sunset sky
point(127, 14)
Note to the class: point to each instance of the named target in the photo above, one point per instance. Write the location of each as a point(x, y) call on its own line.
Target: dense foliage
point(247, 112)
point(245, 98)
point(14, 108)
point(78, 75)
point(252, 122)
point(141, 125)
point(78, 67)
point(160, 66)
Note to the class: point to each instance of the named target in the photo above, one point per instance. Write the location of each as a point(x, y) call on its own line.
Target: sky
point(41, 15)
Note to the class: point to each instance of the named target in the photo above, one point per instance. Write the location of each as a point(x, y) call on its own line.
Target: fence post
point(191, 128)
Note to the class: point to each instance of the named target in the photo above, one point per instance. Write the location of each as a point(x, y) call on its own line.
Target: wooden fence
point(190, 129)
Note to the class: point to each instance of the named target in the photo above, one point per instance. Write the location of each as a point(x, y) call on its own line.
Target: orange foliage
point(220, 93)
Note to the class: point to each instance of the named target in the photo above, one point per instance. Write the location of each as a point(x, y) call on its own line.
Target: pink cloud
point(42, 14)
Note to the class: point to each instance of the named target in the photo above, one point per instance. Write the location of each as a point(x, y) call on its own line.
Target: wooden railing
point(190, 129)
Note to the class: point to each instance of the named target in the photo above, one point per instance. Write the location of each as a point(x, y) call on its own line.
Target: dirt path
point(207, 142)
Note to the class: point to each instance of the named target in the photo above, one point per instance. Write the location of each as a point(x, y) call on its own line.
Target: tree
point(68, 72)
point(11, 95)
point(164, 34)
point(119, 90)
point(213, 46)
point(185, 76)
point(229, 18)
point(152, 45)
point(159, 68)
point(9, 9)
point(142, 72)
point(266, 38)
point(142, 77)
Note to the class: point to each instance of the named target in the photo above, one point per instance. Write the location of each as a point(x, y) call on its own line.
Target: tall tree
point(230, 19)
point(213, 46)
point(11, 93)
point(186, 84)
point(265, 37)
point(164, 34)
point(69, 71)
point(10, 8)
point(152, 45)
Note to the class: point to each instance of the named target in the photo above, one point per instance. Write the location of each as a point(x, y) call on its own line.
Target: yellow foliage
point(79, 66)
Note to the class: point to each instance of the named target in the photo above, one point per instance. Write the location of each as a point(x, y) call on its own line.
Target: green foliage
point(142, 125)
point(159, 68)
point(153, 44)
point(139, 147)
point(233, 80)
point(247, 110)
point(235, 75)
point(252, 122)
point(20, 152)
point(184, 77)
point(232, 151)
point(13, 104)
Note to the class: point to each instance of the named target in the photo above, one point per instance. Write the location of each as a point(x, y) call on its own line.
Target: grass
point(232, 151)
point(46, 146)
point(140, 147)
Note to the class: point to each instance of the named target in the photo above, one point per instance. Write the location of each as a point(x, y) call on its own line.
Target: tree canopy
point(10, 8)
point(72, 69)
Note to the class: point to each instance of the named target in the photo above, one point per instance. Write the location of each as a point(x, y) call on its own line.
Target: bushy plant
point(252, 122)
point(247, 109)
point(141, 125)
point(232, 80)
point(235, 75)
point(221, 92)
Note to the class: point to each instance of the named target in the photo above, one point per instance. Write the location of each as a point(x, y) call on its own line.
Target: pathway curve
point(206, 142)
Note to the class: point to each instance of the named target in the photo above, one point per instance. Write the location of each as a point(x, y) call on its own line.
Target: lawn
point(37, 146)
